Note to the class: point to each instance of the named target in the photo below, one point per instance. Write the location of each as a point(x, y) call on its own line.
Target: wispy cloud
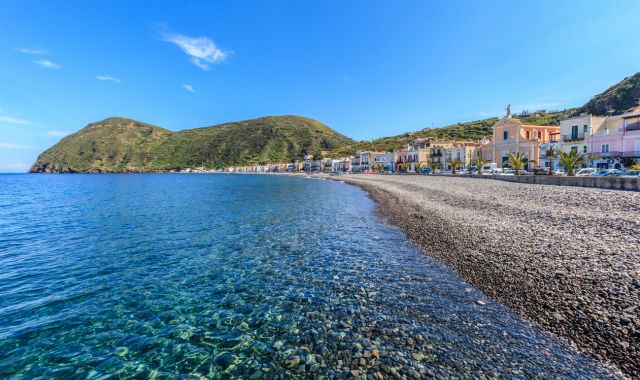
point(14, 120)
point(188, 87)
point(202, 50)
point(34, 51)
point(109, 78)
point(47, 64)
point(18, 166)
point(56, 133)
point(12, 146)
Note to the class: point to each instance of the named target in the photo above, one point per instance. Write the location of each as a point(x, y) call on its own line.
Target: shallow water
point(238, 276)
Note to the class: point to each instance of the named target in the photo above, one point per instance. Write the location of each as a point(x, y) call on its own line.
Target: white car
point(585, 172)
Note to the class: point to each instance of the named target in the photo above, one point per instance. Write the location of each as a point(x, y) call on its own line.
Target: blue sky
point(365, 68)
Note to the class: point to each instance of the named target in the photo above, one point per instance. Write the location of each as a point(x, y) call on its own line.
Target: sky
point(365, 68)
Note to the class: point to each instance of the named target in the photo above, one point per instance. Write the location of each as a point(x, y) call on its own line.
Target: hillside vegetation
point(125, 145)
point(617, 98)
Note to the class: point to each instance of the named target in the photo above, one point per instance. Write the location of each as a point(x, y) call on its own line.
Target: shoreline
point(588, 295)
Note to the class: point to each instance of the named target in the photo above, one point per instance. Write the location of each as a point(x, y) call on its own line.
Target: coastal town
point(610, 145)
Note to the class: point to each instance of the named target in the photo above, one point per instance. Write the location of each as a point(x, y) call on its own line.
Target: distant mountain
point(617, 98)
point(125, 145)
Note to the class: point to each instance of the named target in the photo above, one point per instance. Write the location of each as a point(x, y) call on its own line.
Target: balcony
point(605, 155)
point(632, 126)
point(573, 137)
point(631, 154)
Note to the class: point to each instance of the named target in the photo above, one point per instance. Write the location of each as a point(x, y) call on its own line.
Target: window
point(574, 149)
point(528, 136)
point(505, 135)
point(585, 128)
point(605, 148)
point(574, 132)
point(584, 149)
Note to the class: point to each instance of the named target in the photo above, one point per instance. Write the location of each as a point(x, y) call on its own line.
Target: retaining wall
point(617, 183)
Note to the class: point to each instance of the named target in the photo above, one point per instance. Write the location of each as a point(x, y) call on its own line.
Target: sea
point(195, 276)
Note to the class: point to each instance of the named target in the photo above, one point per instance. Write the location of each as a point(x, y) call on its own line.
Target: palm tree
point(455, 164)
point(571, 160)
point(418, 165)
point(517, 161)
point(434, 165)
point(405, 167)
point(480, 162)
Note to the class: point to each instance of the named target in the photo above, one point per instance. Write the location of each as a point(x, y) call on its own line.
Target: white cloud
point(109, 78)
point(18, 166)
point(188, 87)
point(202, 50)
point(56, 133)
point(14, 120)
point(47, 64)
point(34, 51)
point(12, 146)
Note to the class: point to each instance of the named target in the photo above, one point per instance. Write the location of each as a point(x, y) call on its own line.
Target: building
point(385, 160)
point(616, 144)
point(510, 135)
point(575, 132)
point(465, 152)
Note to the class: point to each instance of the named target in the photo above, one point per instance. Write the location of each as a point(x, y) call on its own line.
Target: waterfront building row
point(609, 142)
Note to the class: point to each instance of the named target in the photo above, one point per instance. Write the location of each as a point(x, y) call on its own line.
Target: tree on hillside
point(517, 161)
point(455, 164)
point(571, 160)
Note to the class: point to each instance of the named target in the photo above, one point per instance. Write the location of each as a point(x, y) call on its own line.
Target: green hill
point(114, 144)
point(617, 98)
point(125, 145)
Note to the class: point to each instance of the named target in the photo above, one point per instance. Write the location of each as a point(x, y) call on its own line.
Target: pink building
point(616, 143)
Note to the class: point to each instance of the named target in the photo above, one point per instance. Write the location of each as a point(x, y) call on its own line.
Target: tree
point(434, 165)
point(455, 164)
point(480, 162)
point(418, 165)
point(517, 161)
point(571, 160)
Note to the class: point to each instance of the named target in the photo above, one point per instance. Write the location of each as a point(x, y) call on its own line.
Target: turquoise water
point(238, 276)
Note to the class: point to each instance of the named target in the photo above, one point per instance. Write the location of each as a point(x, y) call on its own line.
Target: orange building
point(510, 135)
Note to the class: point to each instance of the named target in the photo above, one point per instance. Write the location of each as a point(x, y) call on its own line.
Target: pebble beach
point(565, 258)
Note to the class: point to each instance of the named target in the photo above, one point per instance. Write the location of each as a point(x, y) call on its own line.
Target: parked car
point(497, 171)
point(560, 172)
point(631, 173)
point(463, 172)
point(542, 171)
point(508, 172)
point(607, 173)
point(585, 172)
point(488, 168)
